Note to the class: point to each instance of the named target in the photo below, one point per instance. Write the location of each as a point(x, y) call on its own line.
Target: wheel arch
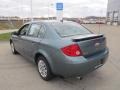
point(37, 55)
point(10, 41)
point(46, 57)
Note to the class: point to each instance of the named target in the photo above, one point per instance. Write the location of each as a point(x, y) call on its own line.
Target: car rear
point(86, 52)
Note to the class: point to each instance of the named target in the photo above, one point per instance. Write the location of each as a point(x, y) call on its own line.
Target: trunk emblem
point(97, 44)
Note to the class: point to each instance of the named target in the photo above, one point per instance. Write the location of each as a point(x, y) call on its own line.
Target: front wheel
point(13, 48)
point(44, 69)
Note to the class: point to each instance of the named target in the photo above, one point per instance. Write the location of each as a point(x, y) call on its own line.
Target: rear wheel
point(13, 48)
point(44, 69)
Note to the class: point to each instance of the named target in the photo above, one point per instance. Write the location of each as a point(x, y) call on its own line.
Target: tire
point(13, 48)
point(44, 69)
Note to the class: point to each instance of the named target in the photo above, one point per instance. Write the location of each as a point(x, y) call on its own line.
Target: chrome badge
point(97, 44)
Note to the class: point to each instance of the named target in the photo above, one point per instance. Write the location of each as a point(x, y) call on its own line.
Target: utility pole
point(11, 23)
point(100, 17)
point(49, 6)
point(48, 10)
point(22, 11)
point(31, 7)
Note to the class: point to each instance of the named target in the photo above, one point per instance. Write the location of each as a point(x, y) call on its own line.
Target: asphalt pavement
point(18, 73)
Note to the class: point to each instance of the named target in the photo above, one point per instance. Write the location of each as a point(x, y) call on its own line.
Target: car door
point(33, 39)
point(19, 44)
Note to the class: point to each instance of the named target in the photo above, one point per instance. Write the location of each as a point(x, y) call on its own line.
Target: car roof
point(43, 21)
point(50, 21)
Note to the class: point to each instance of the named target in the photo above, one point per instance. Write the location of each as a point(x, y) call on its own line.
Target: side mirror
point(14, 33)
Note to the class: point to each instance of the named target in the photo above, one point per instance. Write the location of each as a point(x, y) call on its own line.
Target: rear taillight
point(72, 50)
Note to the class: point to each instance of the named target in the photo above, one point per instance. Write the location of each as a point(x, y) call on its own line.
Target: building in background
point(94, 20)
point(113, 12)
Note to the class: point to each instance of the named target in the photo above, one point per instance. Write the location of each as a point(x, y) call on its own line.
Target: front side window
point(24, 30)
point(34, 30)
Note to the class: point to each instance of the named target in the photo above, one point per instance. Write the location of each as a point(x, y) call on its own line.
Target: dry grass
point(10, 25)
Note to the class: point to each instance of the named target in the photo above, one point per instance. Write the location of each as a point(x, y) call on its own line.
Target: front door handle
point(33, 43)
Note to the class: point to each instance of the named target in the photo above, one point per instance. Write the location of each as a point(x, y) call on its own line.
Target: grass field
point(5, 36)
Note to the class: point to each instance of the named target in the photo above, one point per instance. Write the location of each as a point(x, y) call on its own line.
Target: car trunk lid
point(91, 44)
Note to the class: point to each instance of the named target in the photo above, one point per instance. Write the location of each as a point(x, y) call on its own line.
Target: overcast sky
point(72, 8)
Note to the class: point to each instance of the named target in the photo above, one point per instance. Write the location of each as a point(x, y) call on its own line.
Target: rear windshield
point(66, 30)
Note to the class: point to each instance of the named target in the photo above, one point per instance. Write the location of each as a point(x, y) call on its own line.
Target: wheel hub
point(12, 47)
point(42, 68)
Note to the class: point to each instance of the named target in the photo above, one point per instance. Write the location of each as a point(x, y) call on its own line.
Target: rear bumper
point(80, 66)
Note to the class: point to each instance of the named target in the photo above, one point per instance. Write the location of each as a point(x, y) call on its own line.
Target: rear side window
point(66, 30)
point(34, 30)
point(41, 32)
